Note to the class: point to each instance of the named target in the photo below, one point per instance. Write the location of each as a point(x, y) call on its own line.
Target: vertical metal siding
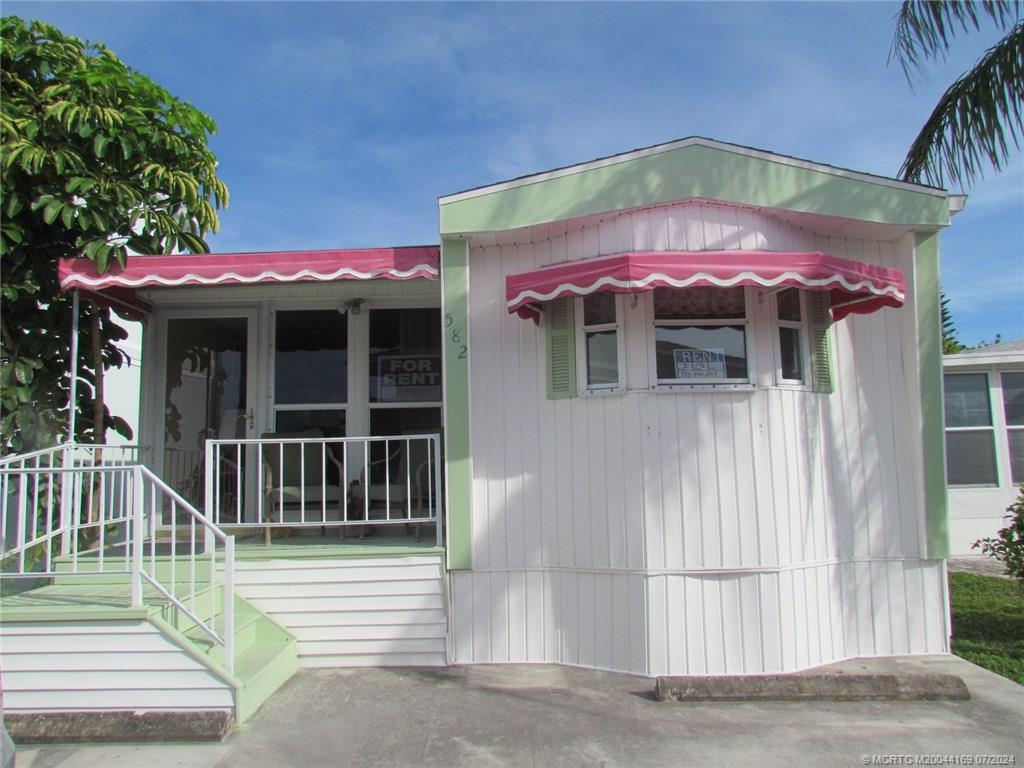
point(813, 501)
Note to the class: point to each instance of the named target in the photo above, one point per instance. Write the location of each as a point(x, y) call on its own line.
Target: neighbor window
point(970, 437)
point(700, 336)
point(1013, 407)
point(789, 364)
point(600, 351)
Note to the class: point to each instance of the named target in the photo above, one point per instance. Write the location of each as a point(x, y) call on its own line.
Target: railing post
point(66, 489)
point(229, 603)
point(438, 496)
point(138, 502)
point(208, 500)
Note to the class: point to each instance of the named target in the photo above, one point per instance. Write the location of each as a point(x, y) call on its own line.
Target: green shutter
point(821, 342)
point(561, 348)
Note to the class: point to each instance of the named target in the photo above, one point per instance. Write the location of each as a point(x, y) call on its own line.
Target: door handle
point(251, 416)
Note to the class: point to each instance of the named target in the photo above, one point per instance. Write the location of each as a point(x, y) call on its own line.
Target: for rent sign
point(409, 378)
point(699, 363)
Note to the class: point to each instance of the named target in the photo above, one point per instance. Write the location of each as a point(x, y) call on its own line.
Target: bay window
point(791, 349)
point(700, 336)
point(600, 351)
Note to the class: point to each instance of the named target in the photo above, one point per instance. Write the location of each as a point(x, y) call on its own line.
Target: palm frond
point(924, 28)
point(975, 121)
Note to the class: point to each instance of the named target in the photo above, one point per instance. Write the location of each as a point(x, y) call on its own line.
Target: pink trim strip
point(854, 286)
point(252, 268)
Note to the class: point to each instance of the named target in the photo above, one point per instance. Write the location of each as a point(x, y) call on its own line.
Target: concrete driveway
point(558, 716)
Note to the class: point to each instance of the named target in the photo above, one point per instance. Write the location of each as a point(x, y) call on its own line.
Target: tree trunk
point(99, 432)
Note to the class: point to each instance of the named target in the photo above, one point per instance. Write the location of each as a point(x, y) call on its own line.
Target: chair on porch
point(398, 482)
point(296, 478)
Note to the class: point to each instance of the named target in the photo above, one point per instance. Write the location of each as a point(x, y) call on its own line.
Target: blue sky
point(340, 124)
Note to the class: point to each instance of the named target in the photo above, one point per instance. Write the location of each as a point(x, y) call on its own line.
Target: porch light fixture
point(353, 306)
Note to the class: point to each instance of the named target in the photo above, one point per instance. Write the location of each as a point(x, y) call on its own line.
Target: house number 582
point(455, 335)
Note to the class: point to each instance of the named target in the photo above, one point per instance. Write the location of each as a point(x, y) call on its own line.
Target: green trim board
point(933, 428)
point(699, 169)
point(455, 350)
point(255, 549)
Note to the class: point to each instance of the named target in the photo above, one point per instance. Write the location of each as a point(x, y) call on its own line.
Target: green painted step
point(265, 653)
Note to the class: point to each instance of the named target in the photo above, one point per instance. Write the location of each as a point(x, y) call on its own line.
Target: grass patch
point(988, 623)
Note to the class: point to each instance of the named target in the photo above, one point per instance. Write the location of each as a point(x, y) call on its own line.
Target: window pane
point(698, 303)
point(331, 423)
point(405, 355)
point(407, 461)
point(1013, 398)
point(789, 304)
point(792, 358)
point(599, 309)
point(967, 403)
point(206, 394)
point(724, 348)
point(602, 358)
point(311, 357)
point(405, 421)
point(1016, 438)
point(970, 458)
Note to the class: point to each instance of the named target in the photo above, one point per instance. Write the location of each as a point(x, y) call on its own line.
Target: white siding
point(103, 666)
point(793, 500)
point(356, 612)
point(593, 619)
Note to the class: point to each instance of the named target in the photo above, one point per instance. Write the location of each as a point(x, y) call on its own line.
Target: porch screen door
point(208, 394)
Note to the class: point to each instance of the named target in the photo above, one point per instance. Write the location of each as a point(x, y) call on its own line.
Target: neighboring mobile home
point(690, 423)
point(984, 396)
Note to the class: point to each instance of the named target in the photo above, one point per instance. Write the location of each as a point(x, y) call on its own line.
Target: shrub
point(1008, 545)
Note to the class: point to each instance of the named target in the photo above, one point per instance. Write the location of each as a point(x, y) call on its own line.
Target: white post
point(208, 500)
point(438, 496)
point(73, 395)
point(67, 490)
point(67, 480)
point(138, 502)
point(229, 603)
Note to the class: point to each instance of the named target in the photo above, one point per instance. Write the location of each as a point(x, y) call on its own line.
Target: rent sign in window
point(409, 378)
point(699, 363)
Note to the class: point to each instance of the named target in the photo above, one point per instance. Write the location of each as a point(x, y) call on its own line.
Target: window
point(600, 351)
point(970, 437)
point(700, 336)
point(1013, 408)
point(790, 362)
point(310, 371)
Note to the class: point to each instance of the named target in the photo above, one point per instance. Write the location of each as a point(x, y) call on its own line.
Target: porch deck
point(315, 545)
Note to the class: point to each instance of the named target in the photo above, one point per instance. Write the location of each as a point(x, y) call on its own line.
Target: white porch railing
point(325, 482)
point(62, 514)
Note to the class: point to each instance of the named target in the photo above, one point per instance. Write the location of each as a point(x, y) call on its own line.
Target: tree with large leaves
point(978, 117)
point(97, 162)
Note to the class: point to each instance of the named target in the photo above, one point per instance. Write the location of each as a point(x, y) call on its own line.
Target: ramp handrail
point(60, 515)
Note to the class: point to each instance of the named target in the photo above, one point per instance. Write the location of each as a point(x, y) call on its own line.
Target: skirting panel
point(588, 619)
point(700, 624)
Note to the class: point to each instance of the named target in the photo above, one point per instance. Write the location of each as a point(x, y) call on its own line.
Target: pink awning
point(853, 286)
point(248, 268)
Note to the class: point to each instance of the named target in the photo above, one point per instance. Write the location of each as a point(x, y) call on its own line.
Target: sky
point(340, 124)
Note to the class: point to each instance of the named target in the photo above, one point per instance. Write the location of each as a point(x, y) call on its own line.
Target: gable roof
point(693, 168)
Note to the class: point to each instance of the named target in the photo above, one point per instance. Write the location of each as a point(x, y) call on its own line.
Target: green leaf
point(12, 233)
point(67, 216)
point(52, 210)
point(99, 145)
point(14, 206)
